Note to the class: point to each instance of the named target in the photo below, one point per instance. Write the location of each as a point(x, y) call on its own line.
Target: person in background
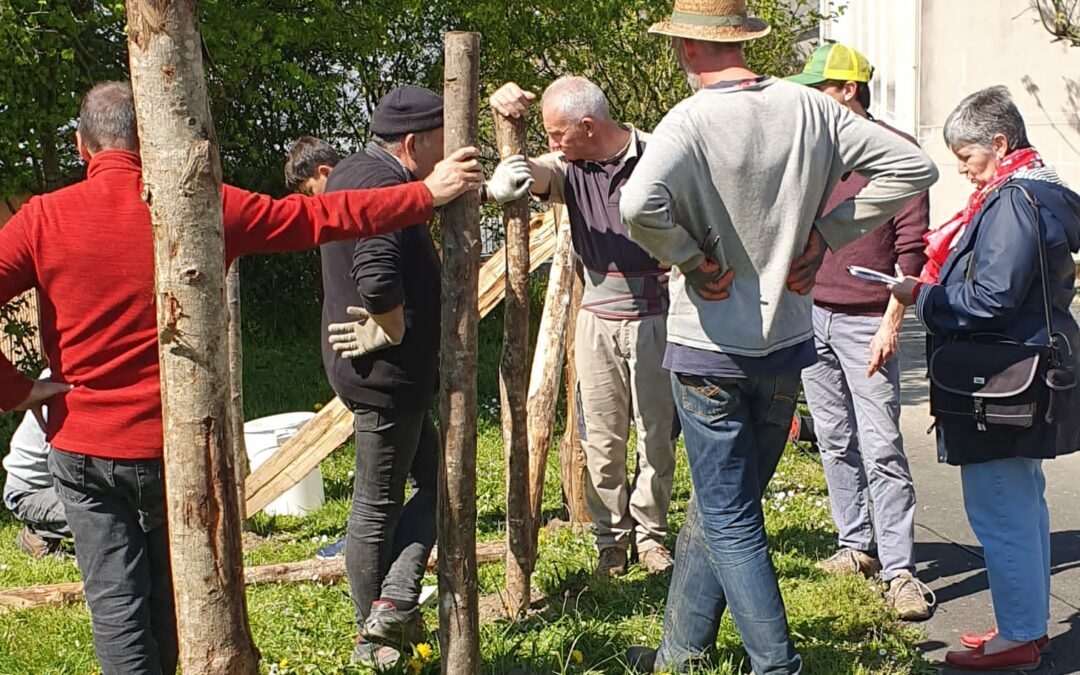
point(29, 492)
point(88, 250)
point(310, 161)
point(731, 194)
point(385, 367)
point(621, 334)
point(983, 277)
point(853, 390)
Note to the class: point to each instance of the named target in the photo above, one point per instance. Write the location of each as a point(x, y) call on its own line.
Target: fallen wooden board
point(322, 571)
point(333, 425)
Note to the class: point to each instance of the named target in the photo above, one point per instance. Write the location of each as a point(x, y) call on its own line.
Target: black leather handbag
point(987, 382)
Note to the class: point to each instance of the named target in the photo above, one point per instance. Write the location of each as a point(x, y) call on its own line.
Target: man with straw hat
point(731, 194)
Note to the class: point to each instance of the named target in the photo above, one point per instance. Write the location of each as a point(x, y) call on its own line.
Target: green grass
point(840, 625)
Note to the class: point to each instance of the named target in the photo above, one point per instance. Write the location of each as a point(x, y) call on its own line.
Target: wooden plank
point(572, 466)
point(322, 571)
point(332, 426)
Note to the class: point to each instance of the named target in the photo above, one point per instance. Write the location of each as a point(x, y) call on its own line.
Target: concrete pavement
point(950, 558)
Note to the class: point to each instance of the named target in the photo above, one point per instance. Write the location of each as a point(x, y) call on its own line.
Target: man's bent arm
point(17, 276)
point(897, 171)
point(256, 223)
point(646, 200)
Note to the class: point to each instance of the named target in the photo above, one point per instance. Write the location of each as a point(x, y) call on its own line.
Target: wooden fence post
point(547, 366)
point(571, 455)
point(182, 178)
point(236, 387)
point(459, 618)
point(514, 380)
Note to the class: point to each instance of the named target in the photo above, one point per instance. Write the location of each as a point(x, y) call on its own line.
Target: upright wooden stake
point(182, 177)
point(547, 366)
point(571, 455)
point(459, 618)
point(514, 380)
point(236, 387)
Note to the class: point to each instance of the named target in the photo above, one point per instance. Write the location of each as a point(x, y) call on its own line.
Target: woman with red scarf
point(983, 276)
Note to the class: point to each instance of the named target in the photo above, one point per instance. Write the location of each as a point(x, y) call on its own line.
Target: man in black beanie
point(384, 366)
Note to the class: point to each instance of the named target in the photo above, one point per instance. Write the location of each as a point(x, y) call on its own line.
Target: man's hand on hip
point(511, 100)
point(354, 339)
point(455, 175)
point(42, 391)
point(804, 269)
point(707, 281)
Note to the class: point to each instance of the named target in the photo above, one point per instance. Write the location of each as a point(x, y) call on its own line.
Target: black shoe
point(388, 625)
point(373, 655)
point(641, 659)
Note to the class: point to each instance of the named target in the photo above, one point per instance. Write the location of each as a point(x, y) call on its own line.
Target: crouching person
point(29, 492)
point(88, 250)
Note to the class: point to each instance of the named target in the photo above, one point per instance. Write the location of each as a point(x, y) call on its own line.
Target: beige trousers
point(620, 375)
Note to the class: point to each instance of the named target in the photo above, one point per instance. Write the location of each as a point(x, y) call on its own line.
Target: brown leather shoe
point(1024, 657)
point(977, 640)
point(612, 562)
point(656, 560)
point(850, 561)
point(34, 544)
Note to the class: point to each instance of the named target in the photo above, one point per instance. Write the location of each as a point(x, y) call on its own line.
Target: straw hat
point(712, 20)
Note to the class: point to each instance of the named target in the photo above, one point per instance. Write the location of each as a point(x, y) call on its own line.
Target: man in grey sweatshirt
point(731, 193)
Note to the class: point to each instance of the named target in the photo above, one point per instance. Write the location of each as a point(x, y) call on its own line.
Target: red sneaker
point(1024, 657)
point(977, 640)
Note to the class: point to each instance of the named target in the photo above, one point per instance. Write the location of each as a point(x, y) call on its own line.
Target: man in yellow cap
point(730, 194)
point(854, 388)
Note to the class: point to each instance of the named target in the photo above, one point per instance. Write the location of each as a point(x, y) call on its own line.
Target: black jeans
point(116, 511)
point(389, 540)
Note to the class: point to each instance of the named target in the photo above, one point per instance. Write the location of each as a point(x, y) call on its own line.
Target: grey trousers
point(857, 421)
point(620, 378)
point(41, 511)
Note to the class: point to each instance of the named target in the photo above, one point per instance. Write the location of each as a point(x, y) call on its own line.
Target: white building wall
point(929, 54)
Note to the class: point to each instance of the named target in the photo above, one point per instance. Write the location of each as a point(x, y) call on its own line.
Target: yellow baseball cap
point(834, 61)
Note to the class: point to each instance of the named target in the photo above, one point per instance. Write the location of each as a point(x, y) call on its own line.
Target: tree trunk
point(547, 367)
point(182, 177)
point(571, 455)
point(514, 380)
point(236, 387)
point(459, 620)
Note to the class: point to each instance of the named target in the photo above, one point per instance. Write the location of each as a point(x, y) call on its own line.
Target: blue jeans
point(735, 431)
point(1007, 511)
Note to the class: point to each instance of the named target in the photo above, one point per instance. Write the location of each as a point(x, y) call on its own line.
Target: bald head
point(107, 118)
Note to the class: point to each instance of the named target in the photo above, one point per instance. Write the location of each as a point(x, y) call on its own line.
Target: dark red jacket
point(897, 242)
point(88, 249)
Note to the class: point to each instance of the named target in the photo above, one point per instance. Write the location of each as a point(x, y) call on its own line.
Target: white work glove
point(511, 180)
point(356, 338)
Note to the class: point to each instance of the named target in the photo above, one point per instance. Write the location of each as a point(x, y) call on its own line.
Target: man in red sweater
point(88, 251)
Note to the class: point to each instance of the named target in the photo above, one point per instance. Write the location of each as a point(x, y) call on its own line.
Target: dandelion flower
point(577, 656)
point(413, 666)
point(424, 651)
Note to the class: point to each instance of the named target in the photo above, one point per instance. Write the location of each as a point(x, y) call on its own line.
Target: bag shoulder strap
point(1044, 267)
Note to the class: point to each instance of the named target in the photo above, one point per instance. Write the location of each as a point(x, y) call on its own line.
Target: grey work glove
point(354, 339)
point(511, 180)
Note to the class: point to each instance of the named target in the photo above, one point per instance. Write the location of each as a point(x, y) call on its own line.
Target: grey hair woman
point(984, 277)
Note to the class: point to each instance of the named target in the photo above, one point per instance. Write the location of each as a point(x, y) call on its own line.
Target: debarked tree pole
point(459, 618)
point(547, 365)
point(182, 178)
point(514, 380)
point(236, 387)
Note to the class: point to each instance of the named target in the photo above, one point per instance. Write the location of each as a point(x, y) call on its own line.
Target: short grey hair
point(107, 118)
point(981, 116)
point(577, 97)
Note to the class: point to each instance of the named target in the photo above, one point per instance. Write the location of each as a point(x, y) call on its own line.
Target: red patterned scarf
point(940, 242)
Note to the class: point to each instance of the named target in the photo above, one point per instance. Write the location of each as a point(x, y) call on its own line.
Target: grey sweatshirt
point(751, 168)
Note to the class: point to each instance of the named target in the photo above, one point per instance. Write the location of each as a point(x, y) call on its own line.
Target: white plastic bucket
point(263, 437)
